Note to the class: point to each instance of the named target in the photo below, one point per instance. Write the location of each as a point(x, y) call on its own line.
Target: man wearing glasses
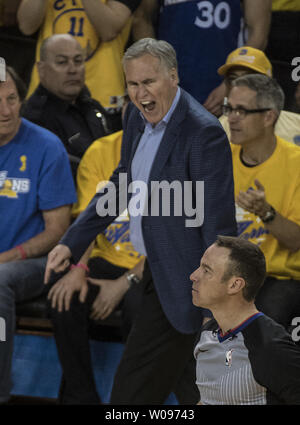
point(248, 60)
point(267, 190)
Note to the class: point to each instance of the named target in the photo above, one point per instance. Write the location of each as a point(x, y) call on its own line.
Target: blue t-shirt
point(203, 33)
point(35, 175)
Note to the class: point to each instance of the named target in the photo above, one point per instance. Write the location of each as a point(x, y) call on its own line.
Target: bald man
point(62, 103)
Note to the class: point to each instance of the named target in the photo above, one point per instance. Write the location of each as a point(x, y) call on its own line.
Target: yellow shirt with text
point(280, 176)
point(104, 71)
point(96, 166)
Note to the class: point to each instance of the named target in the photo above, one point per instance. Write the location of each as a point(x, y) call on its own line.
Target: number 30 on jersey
point(210, 15)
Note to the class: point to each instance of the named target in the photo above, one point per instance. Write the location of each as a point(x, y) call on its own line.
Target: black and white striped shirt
point(255, 363)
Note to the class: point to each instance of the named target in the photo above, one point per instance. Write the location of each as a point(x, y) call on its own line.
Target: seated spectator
point(247, 60)
point(36, 193)
point(267, 190)
point(101, 27)
point(243, 356)
point(62, 103)
point(100, 291)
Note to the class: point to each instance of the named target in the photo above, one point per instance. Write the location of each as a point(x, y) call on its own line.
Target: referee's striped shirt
point(255, 363)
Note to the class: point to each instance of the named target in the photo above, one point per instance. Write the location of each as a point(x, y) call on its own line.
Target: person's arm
point(257, 16)
point(284, 230)
point(215, 99)
point(75, 280)
point(275, 361)
point(86, 188)
point(218, 187)
point(30, 15)
point(143, 20)
point(93, 220)
point(86, 227)
point(108, 19)
point(56, 223)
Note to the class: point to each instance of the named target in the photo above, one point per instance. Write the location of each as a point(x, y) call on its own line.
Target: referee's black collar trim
point(232, 332)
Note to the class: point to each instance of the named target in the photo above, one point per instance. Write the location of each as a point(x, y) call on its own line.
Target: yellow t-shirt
point(97, 165)
point(280, 176)
point(104, 71)
point(287, 126)
point(280, 5)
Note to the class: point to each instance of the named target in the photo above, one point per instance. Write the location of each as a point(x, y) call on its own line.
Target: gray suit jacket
point(194, 148)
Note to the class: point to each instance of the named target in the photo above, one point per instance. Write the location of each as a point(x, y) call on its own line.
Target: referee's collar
point(231, 333)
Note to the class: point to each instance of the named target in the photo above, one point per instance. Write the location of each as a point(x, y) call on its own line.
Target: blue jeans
point(19, 281)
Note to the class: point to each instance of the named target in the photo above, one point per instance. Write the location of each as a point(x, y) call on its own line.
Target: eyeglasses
point(240, 111)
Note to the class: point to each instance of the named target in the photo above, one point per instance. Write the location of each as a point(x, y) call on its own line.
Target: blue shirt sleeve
point(56, 184)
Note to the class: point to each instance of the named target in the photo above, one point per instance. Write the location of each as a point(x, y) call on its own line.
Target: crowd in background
point(69, 57)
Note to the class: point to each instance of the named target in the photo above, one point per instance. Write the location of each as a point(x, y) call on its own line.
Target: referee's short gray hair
point(158, 48)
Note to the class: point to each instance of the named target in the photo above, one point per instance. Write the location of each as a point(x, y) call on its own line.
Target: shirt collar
point(231, 333)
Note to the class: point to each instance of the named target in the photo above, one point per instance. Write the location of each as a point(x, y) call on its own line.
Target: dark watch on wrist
point(269, 216)
point(132, 278)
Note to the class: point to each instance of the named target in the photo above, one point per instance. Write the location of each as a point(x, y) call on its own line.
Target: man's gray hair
point(269, 94)
point(158, 48)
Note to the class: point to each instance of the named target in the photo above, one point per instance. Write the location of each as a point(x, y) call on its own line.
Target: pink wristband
point(22, 252)
point(81, 266)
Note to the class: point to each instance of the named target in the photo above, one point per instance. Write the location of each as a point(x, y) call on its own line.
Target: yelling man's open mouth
point(148, 105)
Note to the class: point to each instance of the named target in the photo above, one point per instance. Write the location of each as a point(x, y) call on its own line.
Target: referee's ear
point(235, 285)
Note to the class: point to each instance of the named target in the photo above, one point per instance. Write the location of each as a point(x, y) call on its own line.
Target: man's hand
point(215, 100)
point(253, 200)
point(63, 290)
point(58, 260)
point(286, 231)
point(110, 295)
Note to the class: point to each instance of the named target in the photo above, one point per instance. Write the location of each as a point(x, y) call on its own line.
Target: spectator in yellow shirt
point(267, 190)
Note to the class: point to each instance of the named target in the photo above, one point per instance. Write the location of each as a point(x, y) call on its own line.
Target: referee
point(243, 357)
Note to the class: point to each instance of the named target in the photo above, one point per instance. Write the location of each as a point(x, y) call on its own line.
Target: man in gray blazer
point(175, 177)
